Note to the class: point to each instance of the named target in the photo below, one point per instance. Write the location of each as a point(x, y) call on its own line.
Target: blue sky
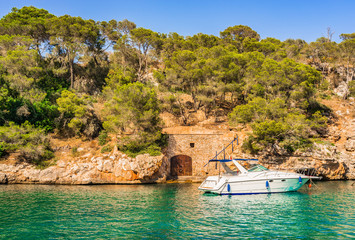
point(303, 19)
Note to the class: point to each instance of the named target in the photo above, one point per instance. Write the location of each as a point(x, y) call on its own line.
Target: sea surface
point(174, 211)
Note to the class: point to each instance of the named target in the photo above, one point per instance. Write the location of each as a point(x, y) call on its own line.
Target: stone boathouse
point(190, 148)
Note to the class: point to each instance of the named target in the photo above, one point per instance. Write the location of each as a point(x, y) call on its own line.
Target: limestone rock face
point(343, 74)
point(323, 158)
point(106, 169)
point(3, 178)
point(342, 90)
point(350, 145)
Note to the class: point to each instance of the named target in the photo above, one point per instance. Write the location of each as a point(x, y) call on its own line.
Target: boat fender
point(299, 179)
point(267, 184)
point(228, 187)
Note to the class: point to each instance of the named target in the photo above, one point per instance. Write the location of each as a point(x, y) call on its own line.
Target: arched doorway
point(181, 165)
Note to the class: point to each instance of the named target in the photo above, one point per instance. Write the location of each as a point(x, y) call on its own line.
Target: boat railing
point(223, 151)
point(307, 171)
point(231, 145)
point(303, 171)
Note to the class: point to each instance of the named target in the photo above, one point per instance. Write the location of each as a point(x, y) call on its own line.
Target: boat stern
point(209, 184)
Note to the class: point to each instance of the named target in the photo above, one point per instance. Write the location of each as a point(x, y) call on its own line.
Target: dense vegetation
point(76, 77)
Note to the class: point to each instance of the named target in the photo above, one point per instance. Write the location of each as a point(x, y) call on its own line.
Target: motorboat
point(254, 179)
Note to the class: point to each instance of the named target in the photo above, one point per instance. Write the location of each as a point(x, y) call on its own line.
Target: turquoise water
point(174, 211)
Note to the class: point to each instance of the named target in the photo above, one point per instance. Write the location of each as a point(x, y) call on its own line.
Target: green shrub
point(36, 154)
point(153, 150)
point(77, 116)
point(103, 137)
point(269, 131)
point(352, 88)
point(2, 150)
point(135, 106)
point(258, 109)
point(272, 126)
point(107, 148)
point(45, 114)
point(31, 143)
point(134, 148)
point(14, 108)
point(74, 151)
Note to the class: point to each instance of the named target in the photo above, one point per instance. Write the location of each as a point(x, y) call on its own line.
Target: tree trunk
point(38, 50)
point(139, 73)
point(71, 65)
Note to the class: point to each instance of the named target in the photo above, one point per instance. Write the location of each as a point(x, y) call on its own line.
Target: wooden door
point(181, 165)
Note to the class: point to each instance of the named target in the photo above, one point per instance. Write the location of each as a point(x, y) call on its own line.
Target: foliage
point(22, 69)
point(352, 89)
point(134, 109)
point(133, 147)
point(44, 115)
point(132, 151)
point(2, 149)
point(118, 77)
point(258, 109)
point(71, 38)
point(29, 142)
point(103, 137)
point(272, 123)
point(74, 152)
point(28, 21)
point(134, 105)
point(77, 116)
point(290, 133)
point(238, 35)
point(107, 148)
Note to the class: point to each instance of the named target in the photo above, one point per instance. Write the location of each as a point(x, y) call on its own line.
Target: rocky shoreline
point(113, 168)
point(118, 168)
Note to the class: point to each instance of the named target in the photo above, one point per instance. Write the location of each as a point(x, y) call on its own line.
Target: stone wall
point(204, 148)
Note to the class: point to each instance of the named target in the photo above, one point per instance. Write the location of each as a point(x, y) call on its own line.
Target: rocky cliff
point(109, 168)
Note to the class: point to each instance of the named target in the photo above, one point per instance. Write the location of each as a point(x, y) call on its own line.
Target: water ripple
point(174, 212)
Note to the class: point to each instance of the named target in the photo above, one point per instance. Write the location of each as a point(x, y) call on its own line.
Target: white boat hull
point(259, 187)
point(269, 182)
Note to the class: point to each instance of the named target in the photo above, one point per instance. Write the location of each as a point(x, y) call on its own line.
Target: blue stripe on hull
point(252, 193)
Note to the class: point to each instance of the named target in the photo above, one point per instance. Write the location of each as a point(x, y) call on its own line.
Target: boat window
point(283, 180)
point(257, 168)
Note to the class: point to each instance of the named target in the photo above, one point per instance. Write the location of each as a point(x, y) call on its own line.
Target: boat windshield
point(257, 168)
